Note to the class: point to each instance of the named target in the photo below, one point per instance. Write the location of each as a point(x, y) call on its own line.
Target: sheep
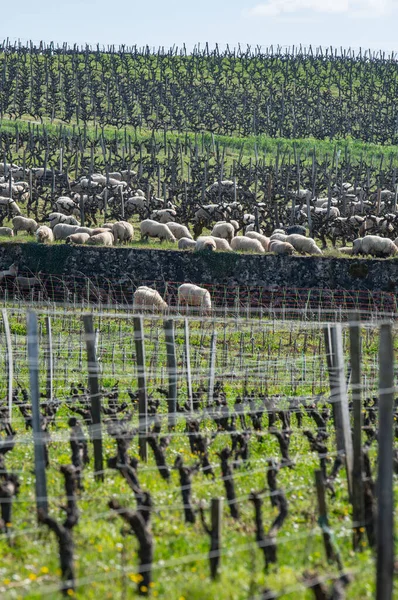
point(223, 230)
point(279, 247)
point(66, 206)
point(95, 231)
point(303, 244)
point(24, 224)
point(346, 250)
point(235, 225)
point(77, 238)
point(205, 243)
point(44, 234)
point(6, 232)
point(264, 241)
point(101, 239)
point(147, 298)
point(62, 230)
point(179, 231)
point(12, 271)
point(165, 215)
point(279, 237)
point(222, 244)
point(247, 244)
point(150, 228)
point(186, 244)
point(375, 246)
point(123, 231)
point(194, 296)
point(11, 206)
point(136, 203)
point(251, 227)
point(56, 217)
point(108, 226)
point(26, 283)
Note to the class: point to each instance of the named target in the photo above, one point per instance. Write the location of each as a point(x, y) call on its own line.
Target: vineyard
point(239, 444)
point(234, 408)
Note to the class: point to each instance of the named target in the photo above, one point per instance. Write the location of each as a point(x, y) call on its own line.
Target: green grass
point(286, 358)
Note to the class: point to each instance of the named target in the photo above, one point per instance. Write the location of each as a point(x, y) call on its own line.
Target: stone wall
point(268, 271)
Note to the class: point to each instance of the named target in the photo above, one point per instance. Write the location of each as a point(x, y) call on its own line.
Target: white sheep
point(346, 250)
point(150, 228)
point(251, 227)
point(77, 238)
point(11, 205)
point(246, 244)
point(279, 247)
point(66, 206)
point(123, 231)
point(205, 243)
point(164, 215)
point(191, 295)
point(146, 298)
point(56, 217)
point(277, 236)
point(186, 243)
point(222, 244)
point(136, 203)
point(12, 271)
point(303, 244)
point(101, 239)
point(223, 230)
point(264, 240)
point(6, 232)
point(24, 224)
point(108, 226)
point(44, 234)
point(179, 231)
point(375, 246)
point(62, 230)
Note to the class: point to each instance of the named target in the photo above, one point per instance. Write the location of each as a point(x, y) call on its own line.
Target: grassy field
point(284, 358)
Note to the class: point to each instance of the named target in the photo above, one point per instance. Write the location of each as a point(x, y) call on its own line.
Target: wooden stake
point(142, 387)
point(9, 362)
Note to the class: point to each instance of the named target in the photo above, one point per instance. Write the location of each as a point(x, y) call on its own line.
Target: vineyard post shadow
point(40, 462)
point(95, 395)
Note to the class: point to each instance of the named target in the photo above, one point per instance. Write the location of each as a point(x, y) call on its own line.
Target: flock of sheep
point(231, 228)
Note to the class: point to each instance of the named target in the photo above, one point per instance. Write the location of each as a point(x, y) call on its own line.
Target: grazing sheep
point(251, 227)
point(108, 226)
point(62, 230)
point(375, 246)
point(77, 238)
point(44, 234)
point(96, 230)
point(223, 230)
point(136, 203)
point(123, 231)
point(147, 298)
point(194, 296)
point(222, 244)
point(101, 239)
point(179, 231)
point(6, 232)
point(186, 244)
point(303, 244)
point(67, 206)
point(12, 271)
point(247, 244)
point(277, 236)
point(346, 250)
point(282, 248)
point(24, 224)
point(11, 205)
point(264, 240)
point(296, 229)
point(150, 228)
point(165, 215)
point(26, 283)
point(206, 244)
point(235, 225)
point(56, 217)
